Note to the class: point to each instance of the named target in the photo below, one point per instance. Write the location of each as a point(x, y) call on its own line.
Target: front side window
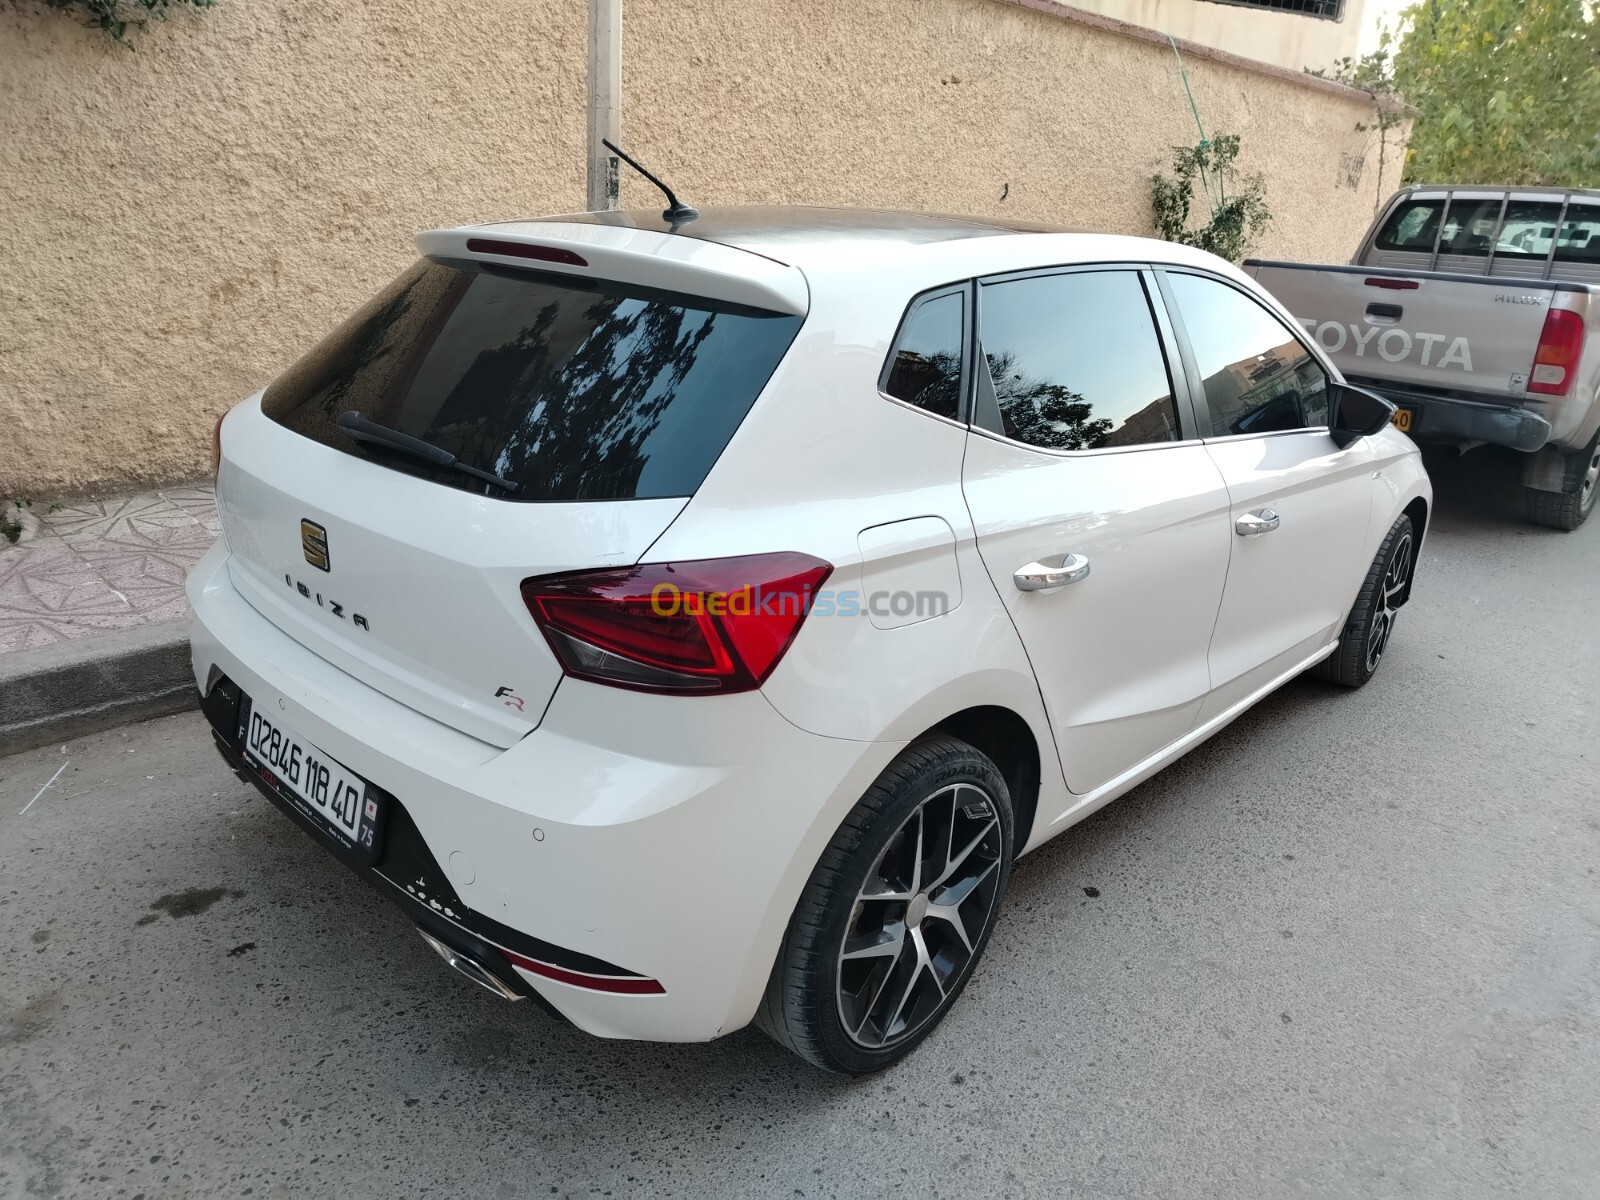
point(925, 365)
point(1259, 377)
point(1074, 362)
point(571, 388)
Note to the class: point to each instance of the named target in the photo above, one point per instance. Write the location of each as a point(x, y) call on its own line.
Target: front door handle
point(1047, 574)
point(1254, 524)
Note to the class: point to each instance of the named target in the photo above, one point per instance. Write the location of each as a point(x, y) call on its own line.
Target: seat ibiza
point(689, 625)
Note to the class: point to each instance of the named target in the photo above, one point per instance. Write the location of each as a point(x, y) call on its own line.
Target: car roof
point(793, 234)
point(784, 257)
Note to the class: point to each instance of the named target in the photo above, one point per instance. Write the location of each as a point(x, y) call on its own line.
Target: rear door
point(1083, 461)
point(600, 405)
point(1299, 504)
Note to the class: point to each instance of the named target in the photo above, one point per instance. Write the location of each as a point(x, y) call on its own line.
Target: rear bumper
point(1449, 419)
point(663, 838)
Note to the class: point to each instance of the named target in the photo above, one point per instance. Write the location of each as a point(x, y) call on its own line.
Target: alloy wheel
point(1590, 478)
point(920, 916)
point(1388, 606)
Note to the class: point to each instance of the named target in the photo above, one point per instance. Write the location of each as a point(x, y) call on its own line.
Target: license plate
point(326, 790)
point(1403, 418)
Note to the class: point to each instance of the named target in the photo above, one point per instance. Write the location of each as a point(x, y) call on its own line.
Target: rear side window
point(573, 389)
point(1259, 377)
point(925, 366)
point(1074, 362)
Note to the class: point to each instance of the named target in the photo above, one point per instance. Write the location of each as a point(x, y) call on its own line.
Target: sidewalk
point(102, 565)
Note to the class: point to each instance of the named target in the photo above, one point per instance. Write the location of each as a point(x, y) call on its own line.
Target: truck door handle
point(1047, 574)
point(1254, 524)
point(1388, 312)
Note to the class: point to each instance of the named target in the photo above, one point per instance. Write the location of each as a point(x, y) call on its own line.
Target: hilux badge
point(314, 544)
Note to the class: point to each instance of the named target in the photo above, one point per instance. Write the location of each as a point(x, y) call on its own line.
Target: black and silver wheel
point(1371, 621)
point(897, 913)
point(1568, 510)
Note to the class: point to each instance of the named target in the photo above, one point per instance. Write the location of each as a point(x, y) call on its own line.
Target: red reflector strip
point(1394, 285)
point(623, 985)
point(553, 254)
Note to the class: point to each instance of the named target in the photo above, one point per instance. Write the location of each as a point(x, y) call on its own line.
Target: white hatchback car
point(689, 626)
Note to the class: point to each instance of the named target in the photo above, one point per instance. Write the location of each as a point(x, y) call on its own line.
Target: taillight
point(216, 444)
point(710, 626)
point(1555, 364)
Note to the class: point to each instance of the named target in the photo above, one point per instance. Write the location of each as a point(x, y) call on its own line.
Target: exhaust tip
point(471, 968)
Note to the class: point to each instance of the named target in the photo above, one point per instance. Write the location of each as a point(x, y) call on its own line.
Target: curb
point(71, 688)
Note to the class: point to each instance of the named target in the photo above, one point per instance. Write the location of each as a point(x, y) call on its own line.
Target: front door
point(1103, 525)
point(1300, 505)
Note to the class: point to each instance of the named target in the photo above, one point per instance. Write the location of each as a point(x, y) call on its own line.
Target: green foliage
point(1506, 91)
point(1239, 212)
point(116, 17)
point(11, 526)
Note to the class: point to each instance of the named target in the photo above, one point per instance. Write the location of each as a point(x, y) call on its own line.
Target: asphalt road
point(1349, 947)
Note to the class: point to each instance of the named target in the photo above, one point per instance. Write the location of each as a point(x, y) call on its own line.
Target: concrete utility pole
point(605, 100)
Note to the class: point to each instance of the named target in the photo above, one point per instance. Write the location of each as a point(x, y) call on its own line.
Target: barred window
point(1331, 10)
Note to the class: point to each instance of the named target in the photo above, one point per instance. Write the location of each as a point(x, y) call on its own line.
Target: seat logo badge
point(314, 544)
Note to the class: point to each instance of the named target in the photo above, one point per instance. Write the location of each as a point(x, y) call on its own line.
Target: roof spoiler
point(656, 260)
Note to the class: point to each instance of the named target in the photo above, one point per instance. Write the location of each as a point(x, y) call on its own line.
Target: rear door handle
point(1050, 573)
point(1254, 524)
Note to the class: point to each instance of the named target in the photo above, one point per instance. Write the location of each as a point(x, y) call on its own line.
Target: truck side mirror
point(1356, 413)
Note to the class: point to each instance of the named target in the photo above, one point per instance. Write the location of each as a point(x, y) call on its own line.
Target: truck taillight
point(1555, 364)
point(704, 627)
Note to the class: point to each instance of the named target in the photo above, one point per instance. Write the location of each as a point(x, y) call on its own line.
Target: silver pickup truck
point(1477, 311)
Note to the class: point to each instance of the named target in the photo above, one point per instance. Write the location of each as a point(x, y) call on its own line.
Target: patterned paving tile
point(108, 564)
point(130, 519)
point(146, 579)
point(49, 593)
point(200, 502)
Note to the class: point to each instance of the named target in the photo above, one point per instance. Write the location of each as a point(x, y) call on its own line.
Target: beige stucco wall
point(180, 221)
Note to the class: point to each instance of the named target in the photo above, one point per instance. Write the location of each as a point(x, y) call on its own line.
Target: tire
point(1567, 510)
point(911, 946)
point(1371, 621)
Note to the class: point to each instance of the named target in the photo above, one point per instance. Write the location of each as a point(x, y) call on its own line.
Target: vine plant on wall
point(117, 17)
point(1237, 203)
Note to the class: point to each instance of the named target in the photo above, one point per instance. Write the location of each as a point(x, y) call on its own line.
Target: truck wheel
point(1567, 510)
point(1372, 617)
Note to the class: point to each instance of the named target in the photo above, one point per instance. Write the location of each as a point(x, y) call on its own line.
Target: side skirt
point(1135, 775)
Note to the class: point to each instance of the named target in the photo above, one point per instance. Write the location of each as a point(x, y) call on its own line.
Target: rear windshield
point(1475, 226)
point(572, 389)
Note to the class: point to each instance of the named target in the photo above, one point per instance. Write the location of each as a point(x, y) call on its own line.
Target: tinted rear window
point(1580, 235)
point(572, 388)
point(1474, 226)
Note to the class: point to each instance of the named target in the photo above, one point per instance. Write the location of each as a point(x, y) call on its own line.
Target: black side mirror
point(1356, 413)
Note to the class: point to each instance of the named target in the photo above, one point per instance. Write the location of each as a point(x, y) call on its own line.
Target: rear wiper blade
point(362, 430)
